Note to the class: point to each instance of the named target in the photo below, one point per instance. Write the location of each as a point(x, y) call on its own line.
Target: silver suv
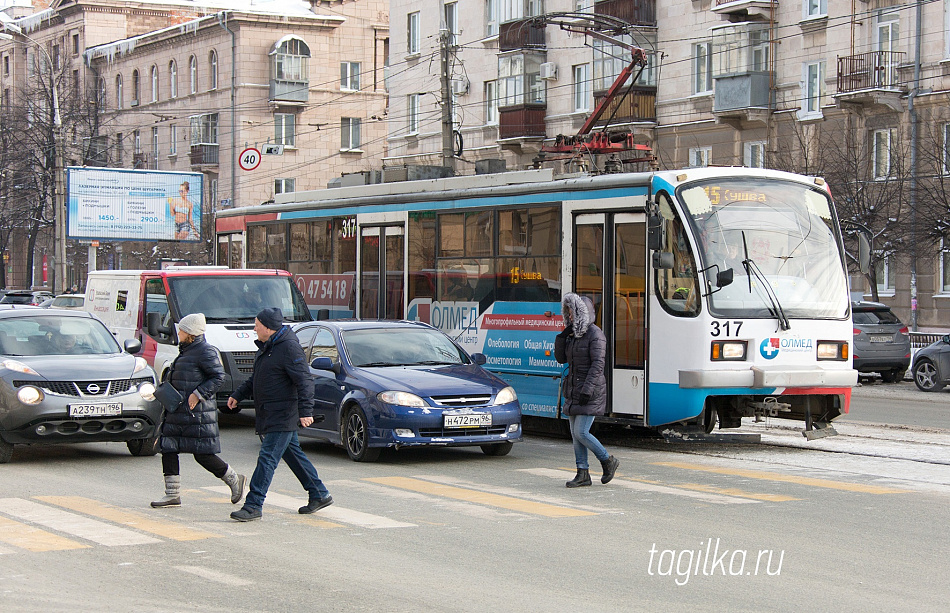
point(881, 342)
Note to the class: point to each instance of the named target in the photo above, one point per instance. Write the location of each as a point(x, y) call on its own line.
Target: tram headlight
point(833, 350)
point(730, 351)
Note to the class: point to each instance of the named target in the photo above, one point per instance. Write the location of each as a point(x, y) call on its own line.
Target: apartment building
point(850, 89)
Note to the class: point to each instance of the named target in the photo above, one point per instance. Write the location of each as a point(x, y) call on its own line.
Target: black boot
point(610, 467)
point(580, 479)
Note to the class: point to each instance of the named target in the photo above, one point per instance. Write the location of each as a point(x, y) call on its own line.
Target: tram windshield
point(778, 237)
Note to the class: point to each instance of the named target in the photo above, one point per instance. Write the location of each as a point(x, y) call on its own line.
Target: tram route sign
point(249, 159)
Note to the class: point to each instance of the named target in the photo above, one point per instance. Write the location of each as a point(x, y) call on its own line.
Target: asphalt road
point(900, 404)
point(854, 522)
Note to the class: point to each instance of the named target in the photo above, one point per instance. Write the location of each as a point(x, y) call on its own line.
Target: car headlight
point(29, 394)
point(403, 399)
point(140, 365)
point(506, 395)
point(147, 391)
point(18, 367)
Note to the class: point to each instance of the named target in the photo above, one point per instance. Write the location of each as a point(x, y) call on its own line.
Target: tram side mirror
point(656, 230)
point(662, 259)
point(864, 253)
point(724, 277)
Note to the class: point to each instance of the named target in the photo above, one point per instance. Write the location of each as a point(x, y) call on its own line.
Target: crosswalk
point(45, 523)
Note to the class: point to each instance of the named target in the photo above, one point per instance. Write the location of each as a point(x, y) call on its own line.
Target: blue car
point(400, 384)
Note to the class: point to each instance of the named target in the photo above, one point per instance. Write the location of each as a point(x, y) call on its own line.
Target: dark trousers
point(274, 447)
point(211, 462)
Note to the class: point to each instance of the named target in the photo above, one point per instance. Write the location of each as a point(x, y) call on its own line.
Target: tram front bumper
point(756, 377)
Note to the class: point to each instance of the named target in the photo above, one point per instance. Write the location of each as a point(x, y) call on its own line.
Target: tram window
point(451, 235)
point(344, 245)
point(300, 242)
point(677, 287)
point(421, 254)
point(256, 244)
point(478, 233)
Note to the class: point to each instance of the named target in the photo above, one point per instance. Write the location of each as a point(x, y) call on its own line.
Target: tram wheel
point(709, 419)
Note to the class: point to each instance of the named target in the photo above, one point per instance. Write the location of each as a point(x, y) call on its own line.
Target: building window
point(452, 22)
point(119, 148)
point(412, 34)
point(885, 274)
point(135, 88)
point(740, 49)
point(582, 93)
point(6, 65)
point(56, 58)
point(350, 133)
point(491, 103)
point(155, 145)
point(284, 124)
point(946, 148)
point(944, 266)
point(883, 141)
point(519, 80)
point(702, 68)
point(350, 76)
point(154, 83)
point(118, 91)
point(610, 60)
point(816, 8)
point(193, 73)
point(813, 90)
point(172, 79)
point(491, 17)
point(204, 129)
point(700, 156)
point(75, 44)
point(213, 70)
point(283, 186)
point(754, 154)
point(412, 113)
point(291, 61)
point(136, 142)
point(76, 81)
point(172, 140)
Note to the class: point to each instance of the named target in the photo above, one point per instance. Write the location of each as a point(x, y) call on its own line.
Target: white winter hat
point(193, 324)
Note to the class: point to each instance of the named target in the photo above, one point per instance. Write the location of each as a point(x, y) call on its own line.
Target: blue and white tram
point(722, 291)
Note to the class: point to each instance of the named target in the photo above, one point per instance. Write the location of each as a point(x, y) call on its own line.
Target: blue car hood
point(81, 367)
point(427, 381)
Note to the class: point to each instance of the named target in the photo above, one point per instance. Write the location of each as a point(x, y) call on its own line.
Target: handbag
point(168, 396)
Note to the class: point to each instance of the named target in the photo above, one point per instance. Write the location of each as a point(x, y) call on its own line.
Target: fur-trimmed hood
point(577, 310)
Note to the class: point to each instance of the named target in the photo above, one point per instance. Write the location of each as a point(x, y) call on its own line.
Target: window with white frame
point(582, 91)
point(491, 17)
point(702, 68)
point(519, 79)
point(213, 70)
point(350, 76)
point(291, 61)
point(413, 40)
point(135, 88)
point(610, 59)
point(885, 274)
point(516, 9)
point(204, 129)
point(944, 266)
point(491, 103)
point(813, 89)
point(155, 144)
point(412, 113)
point(754, 154)
point(452, 21)
point(154, 83)
point(136, 142)
point(349, 133)
point(882, 143)
point(172, 140)
point(118, 91)
point(283, 186)
point(816, 8)
point(700, 156)
point(284, 128)
point(193, 73)
point(740, 49)
point(946, 148)
point(173, 79)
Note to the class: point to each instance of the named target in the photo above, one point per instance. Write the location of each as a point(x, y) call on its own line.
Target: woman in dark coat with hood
point(192, 426)
point(583, 347)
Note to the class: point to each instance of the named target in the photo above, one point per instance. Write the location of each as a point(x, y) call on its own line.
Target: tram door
point(382, 272)
point(610, 268)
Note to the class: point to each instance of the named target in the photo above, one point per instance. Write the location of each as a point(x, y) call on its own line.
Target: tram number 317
point(725, 328)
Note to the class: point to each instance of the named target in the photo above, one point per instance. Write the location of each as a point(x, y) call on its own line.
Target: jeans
point(584, 440)
point(286, 445)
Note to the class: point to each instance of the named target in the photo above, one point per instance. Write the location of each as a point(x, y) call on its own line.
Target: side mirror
point(725, 277)
point(153, 324)
point(479, 358)
point(662, 259)
point(656, 231)
point(133, 345)
point(324, 363)
point(864, 253)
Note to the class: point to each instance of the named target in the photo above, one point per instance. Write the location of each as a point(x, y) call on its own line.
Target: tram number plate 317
point(471, 420)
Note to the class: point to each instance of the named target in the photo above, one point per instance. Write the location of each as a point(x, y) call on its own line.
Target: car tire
point(893, 376)
point(926, 376)
point(497, 449)
point(6, 451)
point(354, 432)
point(143, 446)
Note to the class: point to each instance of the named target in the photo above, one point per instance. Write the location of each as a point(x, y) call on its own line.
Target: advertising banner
point(133, 204)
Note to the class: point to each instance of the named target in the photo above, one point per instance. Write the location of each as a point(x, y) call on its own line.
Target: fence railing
point(919, 340)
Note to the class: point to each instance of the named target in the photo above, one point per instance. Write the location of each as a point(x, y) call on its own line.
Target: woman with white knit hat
point(192, 426)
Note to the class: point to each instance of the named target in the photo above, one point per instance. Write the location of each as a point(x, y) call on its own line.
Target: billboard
point(105, 203)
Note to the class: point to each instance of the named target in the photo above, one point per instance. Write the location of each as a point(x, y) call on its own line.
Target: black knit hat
point(272, 319)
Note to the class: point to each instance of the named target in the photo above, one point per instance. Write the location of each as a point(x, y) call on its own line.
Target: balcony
point(638, 106)
point(144, 161)
point(204, 154)
point(637, 12)
point(751, 9)
point(520, 35)
point(521, 121)
point(289, 91)
point(743, 97)
point(869, 79)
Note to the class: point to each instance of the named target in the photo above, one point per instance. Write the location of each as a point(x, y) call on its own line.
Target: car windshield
point(237, 299)
point(779, 239)
point(51, 335)
point(400, 347)
point(68, 301)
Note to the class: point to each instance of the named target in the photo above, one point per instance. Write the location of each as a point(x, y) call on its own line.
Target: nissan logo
point(92, 388)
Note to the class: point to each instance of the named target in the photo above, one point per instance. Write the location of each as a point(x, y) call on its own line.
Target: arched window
point(135, 87)
point(193, 73)
point(154, 83)
point(172, 79)
point(101, 98)
point(213, 69)
point(118, 91)
point(291, 57)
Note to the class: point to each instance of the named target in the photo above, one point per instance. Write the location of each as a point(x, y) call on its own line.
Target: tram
point(722, 292)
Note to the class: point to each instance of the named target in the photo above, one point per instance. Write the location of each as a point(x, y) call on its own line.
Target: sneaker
point(246, 514)
point(315, 505)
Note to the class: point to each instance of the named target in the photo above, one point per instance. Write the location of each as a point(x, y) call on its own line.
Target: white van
point(148, 304)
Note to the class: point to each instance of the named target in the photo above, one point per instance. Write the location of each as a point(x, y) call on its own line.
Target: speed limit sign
point(250, 159)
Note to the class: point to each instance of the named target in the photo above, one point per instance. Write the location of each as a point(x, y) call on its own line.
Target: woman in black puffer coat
point(583, 347)
point(192, 426)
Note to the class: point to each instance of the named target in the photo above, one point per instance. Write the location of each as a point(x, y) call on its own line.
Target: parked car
point(881, 342)
point(400, 384)
point(33, 297)
point(64, 379)
point(932, 366)
point(68, 301)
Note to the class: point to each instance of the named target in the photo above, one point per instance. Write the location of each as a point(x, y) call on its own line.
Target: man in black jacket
point(283, 398)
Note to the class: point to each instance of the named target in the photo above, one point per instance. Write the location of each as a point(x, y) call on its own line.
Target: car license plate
point(881, 338)
point(95, 410)
point(470, 420)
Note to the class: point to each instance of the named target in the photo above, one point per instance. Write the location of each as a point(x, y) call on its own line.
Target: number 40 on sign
point(250, 159)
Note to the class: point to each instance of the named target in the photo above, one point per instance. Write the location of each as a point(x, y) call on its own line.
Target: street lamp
point(59, 212)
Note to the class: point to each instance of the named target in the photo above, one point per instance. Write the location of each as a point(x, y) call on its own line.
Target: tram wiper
point(751, 269)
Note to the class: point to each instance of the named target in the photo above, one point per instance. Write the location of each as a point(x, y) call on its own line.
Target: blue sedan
point(399, 384)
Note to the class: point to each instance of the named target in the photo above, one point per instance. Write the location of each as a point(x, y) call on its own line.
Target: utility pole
point(448, 129)
point(913, 170)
